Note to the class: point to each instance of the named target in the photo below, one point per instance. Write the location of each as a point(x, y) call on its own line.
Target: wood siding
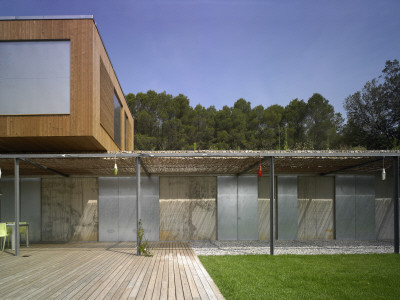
point(101, 133)
point(19, 133)
point(106, 101)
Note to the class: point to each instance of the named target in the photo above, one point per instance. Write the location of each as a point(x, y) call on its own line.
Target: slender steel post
point(138, 204)
point(396, 202)
point(271, 206)
point(16, 205)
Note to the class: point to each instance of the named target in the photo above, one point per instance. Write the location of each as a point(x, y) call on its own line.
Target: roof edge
point(55, 17)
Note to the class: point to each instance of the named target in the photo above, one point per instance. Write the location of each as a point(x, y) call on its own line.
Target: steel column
point(16, 205)
point(138, 200)
point(271, 205)
point(396, 202)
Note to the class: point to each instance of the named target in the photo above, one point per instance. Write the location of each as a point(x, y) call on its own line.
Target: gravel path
point(291, 247)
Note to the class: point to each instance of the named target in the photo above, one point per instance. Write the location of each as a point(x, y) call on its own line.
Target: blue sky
point(215, 52)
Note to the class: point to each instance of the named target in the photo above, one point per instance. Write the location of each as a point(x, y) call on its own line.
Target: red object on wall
point(260, 170)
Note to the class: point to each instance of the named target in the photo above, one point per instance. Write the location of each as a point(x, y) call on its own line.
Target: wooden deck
point(104, 271)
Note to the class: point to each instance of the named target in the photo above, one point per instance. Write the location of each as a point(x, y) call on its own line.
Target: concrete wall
point(30, 195)
point(316, 197)
point(188, 208)
point(263, 215)
point(69, 209)
point(384, 208)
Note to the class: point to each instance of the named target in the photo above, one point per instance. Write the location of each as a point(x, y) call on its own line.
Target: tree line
point(166, 122)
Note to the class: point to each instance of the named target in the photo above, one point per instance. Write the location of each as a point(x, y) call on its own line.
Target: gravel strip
point(291, 247)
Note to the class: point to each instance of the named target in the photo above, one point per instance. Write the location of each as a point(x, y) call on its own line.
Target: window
point(34, 77)
point(117, 121)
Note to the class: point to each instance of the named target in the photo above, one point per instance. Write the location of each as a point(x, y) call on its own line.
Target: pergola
point(149, 163)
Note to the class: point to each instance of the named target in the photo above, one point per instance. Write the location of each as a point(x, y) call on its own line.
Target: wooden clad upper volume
point(90, 124)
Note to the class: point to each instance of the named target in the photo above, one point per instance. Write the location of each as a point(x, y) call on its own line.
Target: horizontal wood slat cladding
point(80, 33)
point(129, 134)
point(106, 100)
point(87, 119)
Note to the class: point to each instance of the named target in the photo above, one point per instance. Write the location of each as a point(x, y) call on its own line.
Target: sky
point(217, 51)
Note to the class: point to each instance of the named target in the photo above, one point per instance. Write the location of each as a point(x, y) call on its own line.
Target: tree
point(274, 133)
point(295, 116)
point(164, 122)
point(322, 123)
point(374, 113)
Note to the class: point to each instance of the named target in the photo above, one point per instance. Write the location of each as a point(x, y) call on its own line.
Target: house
point(65, 125)
point(58, 88)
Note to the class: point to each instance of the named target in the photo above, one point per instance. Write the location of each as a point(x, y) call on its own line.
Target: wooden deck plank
point(105, 271)
point(158, 281)
point(139, 281)
point(130, 282)
point(56, 281)
point(203, 281)
point(207, 276)
point(171, 275)
point(78, 286)
point(112, 282)
point(152, 282)
point(97, 283)
point(79, 281)
point(144, 287)
point(177, 275)
point(192, 284)
point(42, 277)
point(165, 277)
point(182, 272)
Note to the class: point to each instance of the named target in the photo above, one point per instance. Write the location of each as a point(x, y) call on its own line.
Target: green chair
point(9, 233)
point(3, 234)
point(22, 230)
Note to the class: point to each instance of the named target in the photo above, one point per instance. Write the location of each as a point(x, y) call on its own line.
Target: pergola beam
point(145, 169)
point(350, 167)
point(275, 154)
point(44, 167)
point(252, 166)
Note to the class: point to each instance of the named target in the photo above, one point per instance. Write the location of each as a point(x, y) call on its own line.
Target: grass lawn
point(369, 276)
